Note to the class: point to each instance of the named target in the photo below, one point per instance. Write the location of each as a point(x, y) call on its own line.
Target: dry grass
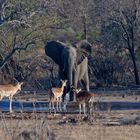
point(30, 128)
point(49, 127)
point(96, 132)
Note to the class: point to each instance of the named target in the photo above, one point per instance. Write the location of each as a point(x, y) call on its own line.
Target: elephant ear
point(83, 50)
point(54, 50)
point(84, 45)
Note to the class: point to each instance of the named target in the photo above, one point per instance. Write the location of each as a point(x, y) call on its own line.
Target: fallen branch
point(18, 22)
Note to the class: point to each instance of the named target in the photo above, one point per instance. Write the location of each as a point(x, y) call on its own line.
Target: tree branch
point(127, 38)
point(3, 62)
point(18, 22)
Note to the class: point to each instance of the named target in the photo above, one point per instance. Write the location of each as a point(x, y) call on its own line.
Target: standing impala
point(55, 94)
point(9, 90)
point(84, 98)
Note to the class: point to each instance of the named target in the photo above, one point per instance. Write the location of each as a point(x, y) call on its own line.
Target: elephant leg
point(66, 90)
point(62, 76)
point(75, 82)
point(74, 95)
point(85, 81)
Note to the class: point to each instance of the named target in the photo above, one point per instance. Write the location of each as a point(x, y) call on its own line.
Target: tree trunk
point(136, 74)
point(84, 19)
point(132, 53)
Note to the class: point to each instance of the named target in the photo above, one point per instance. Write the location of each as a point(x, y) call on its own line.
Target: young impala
point(9, 90)
point(84, 98)
point(55, 95)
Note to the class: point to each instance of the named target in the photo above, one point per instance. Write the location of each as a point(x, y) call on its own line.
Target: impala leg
point(91, 111)
point(91, 108)
point(53, 108)
point(60, 104)
point(84, 109)
point(10, 98)
point(80, 109)
point(50, 106)
point(1, 97)
point(65, 106)
point(57, 103)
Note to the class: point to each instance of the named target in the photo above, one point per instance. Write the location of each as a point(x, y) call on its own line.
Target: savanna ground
point(106, 124)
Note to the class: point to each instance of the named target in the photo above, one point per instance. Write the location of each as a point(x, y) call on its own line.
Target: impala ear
point(21, 83)
point(78, 90)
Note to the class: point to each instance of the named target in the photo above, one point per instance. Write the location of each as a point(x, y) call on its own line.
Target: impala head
point(19, 85)
point(64, 82)
point(74, 90)
point(78, 90)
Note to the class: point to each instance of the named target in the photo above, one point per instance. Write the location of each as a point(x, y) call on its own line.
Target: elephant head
point(71, 61)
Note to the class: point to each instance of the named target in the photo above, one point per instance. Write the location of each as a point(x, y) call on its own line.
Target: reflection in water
point(27, 106)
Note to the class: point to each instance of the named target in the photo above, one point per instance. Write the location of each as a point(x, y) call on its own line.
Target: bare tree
point(127, 19)
point(120, 27)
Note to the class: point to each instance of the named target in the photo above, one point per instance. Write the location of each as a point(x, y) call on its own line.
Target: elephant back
point(54, 49)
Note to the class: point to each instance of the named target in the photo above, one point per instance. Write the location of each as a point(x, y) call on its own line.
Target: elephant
point(72, 61)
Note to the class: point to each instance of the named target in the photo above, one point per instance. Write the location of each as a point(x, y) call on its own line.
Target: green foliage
point(79, 35)
point(41, 20)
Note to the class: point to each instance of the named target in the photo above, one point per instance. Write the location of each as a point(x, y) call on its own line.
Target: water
point(25, 106)
point(42, 106)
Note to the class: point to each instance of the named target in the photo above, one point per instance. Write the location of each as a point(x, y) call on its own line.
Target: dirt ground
point(105, 125)
point(114, 125)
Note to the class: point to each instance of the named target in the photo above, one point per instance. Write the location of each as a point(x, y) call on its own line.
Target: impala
point(9, 90)
point(55, 95)
point(84, 98)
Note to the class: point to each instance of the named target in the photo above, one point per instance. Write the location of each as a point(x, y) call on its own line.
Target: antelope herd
point(83, 98)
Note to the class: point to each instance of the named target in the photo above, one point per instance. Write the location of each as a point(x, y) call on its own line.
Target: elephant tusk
point(75, 69)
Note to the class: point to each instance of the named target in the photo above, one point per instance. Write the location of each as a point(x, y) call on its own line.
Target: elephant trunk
point(69, 59)
point(70, 75)
point(67, 70)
